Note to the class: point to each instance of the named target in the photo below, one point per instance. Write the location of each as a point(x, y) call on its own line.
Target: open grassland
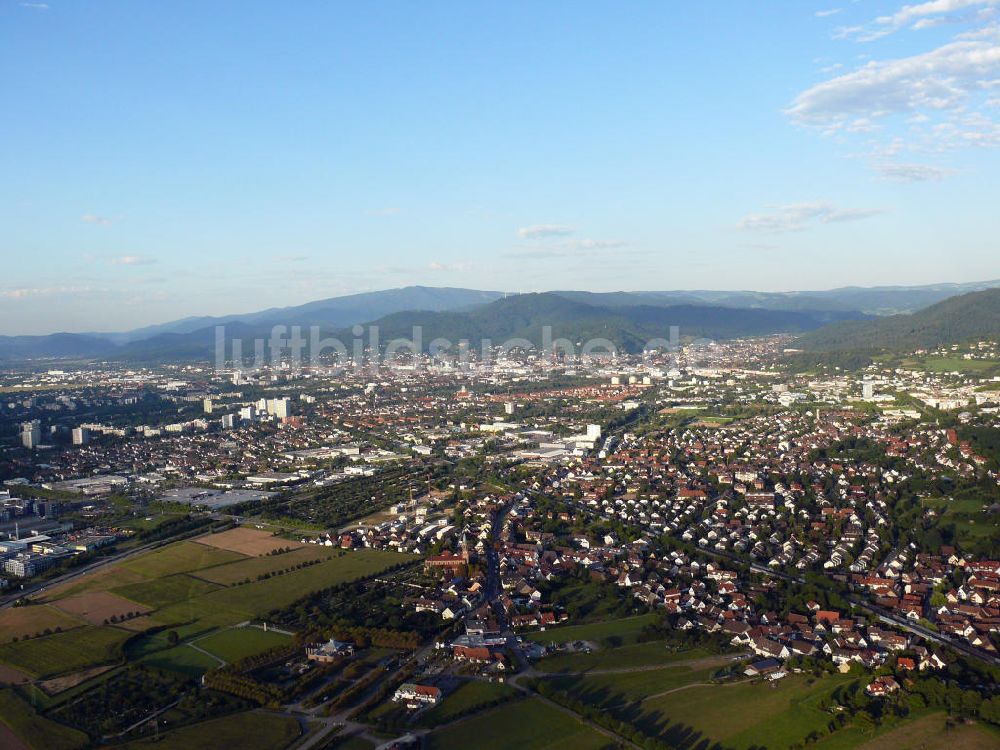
point(162, 592)
point(96, 607)
point(525, 724)
point(246, 541)
point(183, 659)
point(237, 643)
point(617, 690)
point(467, 697)
point(151, 522)
point(933, 733)
point(18, 622)
point(737, 715)
point(254, 730)
point(179, 557)
point(69, 651)
point(609, 633)
point(928, 732)
point(27, 728)
point(651, 654)
point(197, 616)
point(241, 570)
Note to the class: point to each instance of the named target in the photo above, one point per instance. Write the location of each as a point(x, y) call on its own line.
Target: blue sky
point(186, 158)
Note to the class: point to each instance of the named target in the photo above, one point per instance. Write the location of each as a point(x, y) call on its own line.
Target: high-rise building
point(228, 421)
point(31, 433)
point(593, 431)
point(867, 390)
point(207, 405)
point(248, 413)
point(508, 408)
point(277, 407)
point(81, 436)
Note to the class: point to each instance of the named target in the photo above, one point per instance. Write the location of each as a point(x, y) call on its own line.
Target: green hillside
point(969, 317)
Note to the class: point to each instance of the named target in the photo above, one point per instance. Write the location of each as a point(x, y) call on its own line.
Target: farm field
point(260, 597)
point(58, 685)
point(101, 579)
point(167, 585)
point(237, 643)
point(611, 633)
point(179, 557)
point(69, 651)
point(252, 730)
point(11, 676)
point(240, 570)
point(640, 655)
point(249, 542)
point(18, 622)
point(98, 606)
point(525, 724)
point(30, 730)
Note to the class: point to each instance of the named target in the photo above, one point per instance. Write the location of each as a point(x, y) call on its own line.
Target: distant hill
point(523, 316)
point(334, 311)
point(894, 300)
point(190, 337)
point(628, 326)
point(884, 300)
point(54, 345)
point(968, 317)
point(629, 316)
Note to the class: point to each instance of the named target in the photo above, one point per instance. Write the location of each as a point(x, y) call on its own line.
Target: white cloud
point(921, 16)
point(35, 6)
point(437, 266)
point(794, 217)
point(828, 12)
point(937, 80)
point(132, 260)
point(589, 244)
point(28, 292)
point(541, 231)
point(102, 221)
point(902, 110)
point(912, 172)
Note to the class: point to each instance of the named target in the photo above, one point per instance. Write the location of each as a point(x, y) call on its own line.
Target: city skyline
point(200, 160)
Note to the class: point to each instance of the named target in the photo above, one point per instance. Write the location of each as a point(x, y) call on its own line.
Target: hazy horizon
point(251, 311)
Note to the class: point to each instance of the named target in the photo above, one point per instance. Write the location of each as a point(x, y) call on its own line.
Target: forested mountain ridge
point(969, 317)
